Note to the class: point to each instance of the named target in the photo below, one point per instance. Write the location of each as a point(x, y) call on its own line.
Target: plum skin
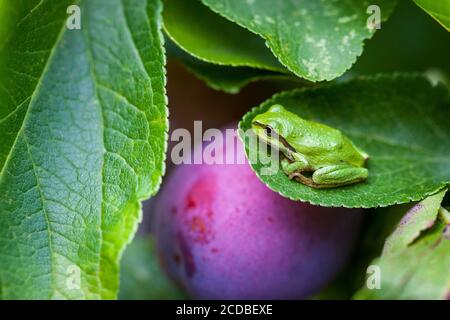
point(222, 234)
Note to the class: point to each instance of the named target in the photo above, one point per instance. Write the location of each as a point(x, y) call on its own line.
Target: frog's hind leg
point(339, 175)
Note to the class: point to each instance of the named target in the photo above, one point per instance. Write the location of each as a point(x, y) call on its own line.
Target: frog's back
point(323, 145)
point(313, 137)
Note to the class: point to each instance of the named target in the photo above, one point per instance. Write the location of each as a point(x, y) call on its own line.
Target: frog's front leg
point(292, 169)
point(338, 175)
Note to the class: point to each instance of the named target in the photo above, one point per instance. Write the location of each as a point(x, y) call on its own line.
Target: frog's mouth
point(272, 135)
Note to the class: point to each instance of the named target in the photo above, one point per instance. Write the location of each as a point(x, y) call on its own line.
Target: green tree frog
point(312, 153)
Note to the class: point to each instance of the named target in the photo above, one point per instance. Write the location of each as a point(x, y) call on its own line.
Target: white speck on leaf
point(270, 20)
point(309, 39)
point(347, 19)
point(322, 43)
point(345, 40)
point(257, 19)
point(352, 34)
point(311, 65)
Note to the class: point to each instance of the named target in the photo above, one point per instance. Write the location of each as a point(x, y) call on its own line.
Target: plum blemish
point(188, 259)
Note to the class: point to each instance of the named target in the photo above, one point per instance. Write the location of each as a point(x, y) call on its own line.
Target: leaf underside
point(83, 120)
point(400, 120)
point(211, 38)
point(418, 219)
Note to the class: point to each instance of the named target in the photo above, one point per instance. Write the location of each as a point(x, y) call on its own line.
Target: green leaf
point(400, 120)
point(417, 269)
point(211, 38)
point(141, 276)
point(439, 10)
point(226, 78)
point(420, 218)
point(231, 80)
point(7, 19)
point(83, 120)
point(317, 40)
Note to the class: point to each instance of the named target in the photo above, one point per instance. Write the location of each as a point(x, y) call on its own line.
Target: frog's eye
point(268, 131)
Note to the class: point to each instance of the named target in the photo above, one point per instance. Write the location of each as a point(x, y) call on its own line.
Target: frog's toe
point(293, 175)
point(307, 181)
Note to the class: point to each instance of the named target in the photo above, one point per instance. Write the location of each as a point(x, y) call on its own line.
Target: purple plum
point(222, 234)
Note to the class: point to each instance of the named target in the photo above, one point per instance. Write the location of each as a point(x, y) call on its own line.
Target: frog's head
point(273, 126)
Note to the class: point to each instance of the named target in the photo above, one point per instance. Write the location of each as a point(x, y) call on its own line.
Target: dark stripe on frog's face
point(272, 134)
